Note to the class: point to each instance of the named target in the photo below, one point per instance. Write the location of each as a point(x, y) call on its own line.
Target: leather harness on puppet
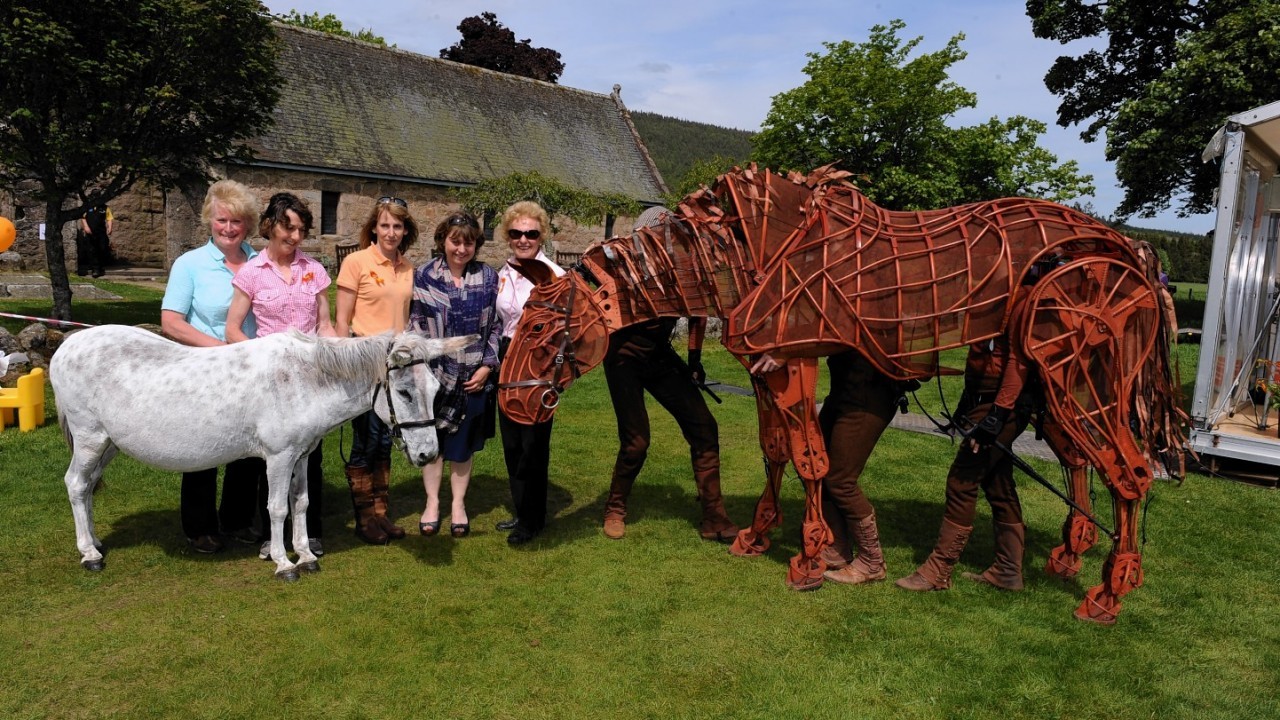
point(805, 267)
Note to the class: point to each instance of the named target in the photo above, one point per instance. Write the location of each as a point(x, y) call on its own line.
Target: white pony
point(121, 388)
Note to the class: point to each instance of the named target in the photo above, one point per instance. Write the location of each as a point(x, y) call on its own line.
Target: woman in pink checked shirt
point(285, 289)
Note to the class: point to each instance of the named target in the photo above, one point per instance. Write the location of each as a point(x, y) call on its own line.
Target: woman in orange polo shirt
point(375, 285)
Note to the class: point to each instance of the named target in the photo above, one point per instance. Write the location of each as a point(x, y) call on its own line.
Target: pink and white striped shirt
point(277, 305)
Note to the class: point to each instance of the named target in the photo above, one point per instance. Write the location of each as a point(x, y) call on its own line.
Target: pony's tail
point(66, 432)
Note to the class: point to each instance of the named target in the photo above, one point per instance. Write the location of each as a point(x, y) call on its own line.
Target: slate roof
point(355, 107)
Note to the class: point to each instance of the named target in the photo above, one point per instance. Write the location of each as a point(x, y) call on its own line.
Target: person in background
point(97, 224)
point(640, 358)
point(285, 289)
point(375, 286)
point(526, 448)
point(456, 294)
point(194, 312)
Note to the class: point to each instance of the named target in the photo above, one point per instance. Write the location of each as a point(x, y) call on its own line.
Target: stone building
point(357, 121)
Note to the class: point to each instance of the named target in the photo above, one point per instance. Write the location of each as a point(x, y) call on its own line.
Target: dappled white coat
point(186, 408)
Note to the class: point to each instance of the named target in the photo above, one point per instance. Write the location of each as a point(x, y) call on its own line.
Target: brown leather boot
point(381, 487)
point(935, 572)
point(1006, 572)
point(839, 553)
point(716, 524)
point(868, 566)
point(367, 528)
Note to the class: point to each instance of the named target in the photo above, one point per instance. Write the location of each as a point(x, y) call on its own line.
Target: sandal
point(429, 528)
point(460, 529)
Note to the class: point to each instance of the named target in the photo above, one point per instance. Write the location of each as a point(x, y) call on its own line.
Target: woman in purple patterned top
point(456, 294)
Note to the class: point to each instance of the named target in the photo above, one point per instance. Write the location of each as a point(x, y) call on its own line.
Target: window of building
point(489, 216)
point(329, 212)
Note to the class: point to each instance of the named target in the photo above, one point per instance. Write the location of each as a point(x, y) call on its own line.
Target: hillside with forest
point(676, 146)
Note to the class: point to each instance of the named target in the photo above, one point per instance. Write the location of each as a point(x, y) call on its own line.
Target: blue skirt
point(469, 438)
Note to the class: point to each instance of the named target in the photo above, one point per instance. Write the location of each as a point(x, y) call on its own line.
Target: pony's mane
point(357, 358)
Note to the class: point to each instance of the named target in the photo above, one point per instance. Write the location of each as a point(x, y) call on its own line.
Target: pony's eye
point(538, 327)
point(404, 394)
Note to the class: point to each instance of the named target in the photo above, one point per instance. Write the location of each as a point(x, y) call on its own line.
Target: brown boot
point(935, 573)
point(381, 487)
point(1006, 572)
point(367, 529)
point(839, 553)
point(615, 528)
point(716, 524)
point(868, 566)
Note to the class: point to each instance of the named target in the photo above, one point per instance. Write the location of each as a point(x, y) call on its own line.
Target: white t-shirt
point(513, 293)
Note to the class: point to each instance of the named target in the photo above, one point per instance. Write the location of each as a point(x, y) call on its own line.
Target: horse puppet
point(803, 267)
point(180, 408)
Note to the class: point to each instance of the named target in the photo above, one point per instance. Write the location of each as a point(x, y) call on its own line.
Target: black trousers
point(527, 451)
point(640, 362)
point(198, 505)
point(853, 417)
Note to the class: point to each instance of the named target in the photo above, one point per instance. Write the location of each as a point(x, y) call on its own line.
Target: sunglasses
point(463, 220)
point(396, 200)
point(515, 234)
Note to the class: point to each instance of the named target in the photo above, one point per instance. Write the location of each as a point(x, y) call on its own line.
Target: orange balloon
point(7, 233)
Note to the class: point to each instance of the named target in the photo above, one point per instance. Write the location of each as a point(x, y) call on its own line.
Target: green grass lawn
point(660, 624)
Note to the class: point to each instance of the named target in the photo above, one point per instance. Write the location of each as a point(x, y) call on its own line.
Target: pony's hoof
point(312, 566)
point(290, 575)
point(93, 565)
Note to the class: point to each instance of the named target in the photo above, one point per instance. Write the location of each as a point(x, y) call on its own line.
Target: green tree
point(330, 23)
point(1160, 80)
point(488, 43)
point(700, 173)
point(113, 92)
point(883, 115)
point(558, 199)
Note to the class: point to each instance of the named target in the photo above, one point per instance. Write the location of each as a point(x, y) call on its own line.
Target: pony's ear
point(445, 346)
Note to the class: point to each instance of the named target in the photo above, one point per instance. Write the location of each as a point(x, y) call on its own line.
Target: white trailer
point(1240, 342)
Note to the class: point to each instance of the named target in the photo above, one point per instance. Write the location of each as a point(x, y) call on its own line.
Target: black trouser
point(527, 451)
point(641, 363)
point(99, 250)
point(198, 504)
point(854, 415)
point(990, 470)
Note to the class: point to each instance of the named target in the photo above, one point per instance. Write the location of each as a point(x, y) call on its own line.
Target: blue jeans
point(371, 440)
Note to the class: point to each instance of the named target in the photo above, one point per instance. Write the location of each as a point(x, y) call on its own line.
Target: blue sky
point(722, 62)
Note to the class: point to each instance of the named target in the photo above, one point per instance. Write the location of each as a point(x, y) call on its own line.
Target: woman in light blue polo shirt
point(194, 312)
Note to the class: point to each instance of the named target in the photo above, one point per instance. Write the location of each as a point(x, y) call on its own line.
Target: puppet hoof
point(749, 544)
point(308, 567)
point(93, 565)
point(289, 575)
point(1098, 608)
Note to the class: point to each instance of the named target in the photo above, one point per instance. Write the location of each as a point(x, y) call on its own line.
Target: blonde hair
point(531, 210)
point(234, 197)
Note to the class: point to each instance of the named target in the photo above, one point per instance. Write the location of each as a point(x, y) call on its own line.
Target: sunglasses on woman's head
point(462, 220)
point(515, 234)
point(396, 200)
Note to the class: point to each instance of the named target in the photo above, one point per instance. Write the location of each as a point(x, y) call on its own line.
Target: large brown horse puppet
point(805, 267)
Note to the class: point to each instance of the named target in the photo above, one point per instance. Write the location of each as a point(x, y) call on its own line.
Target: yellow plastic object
point(24, 404)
